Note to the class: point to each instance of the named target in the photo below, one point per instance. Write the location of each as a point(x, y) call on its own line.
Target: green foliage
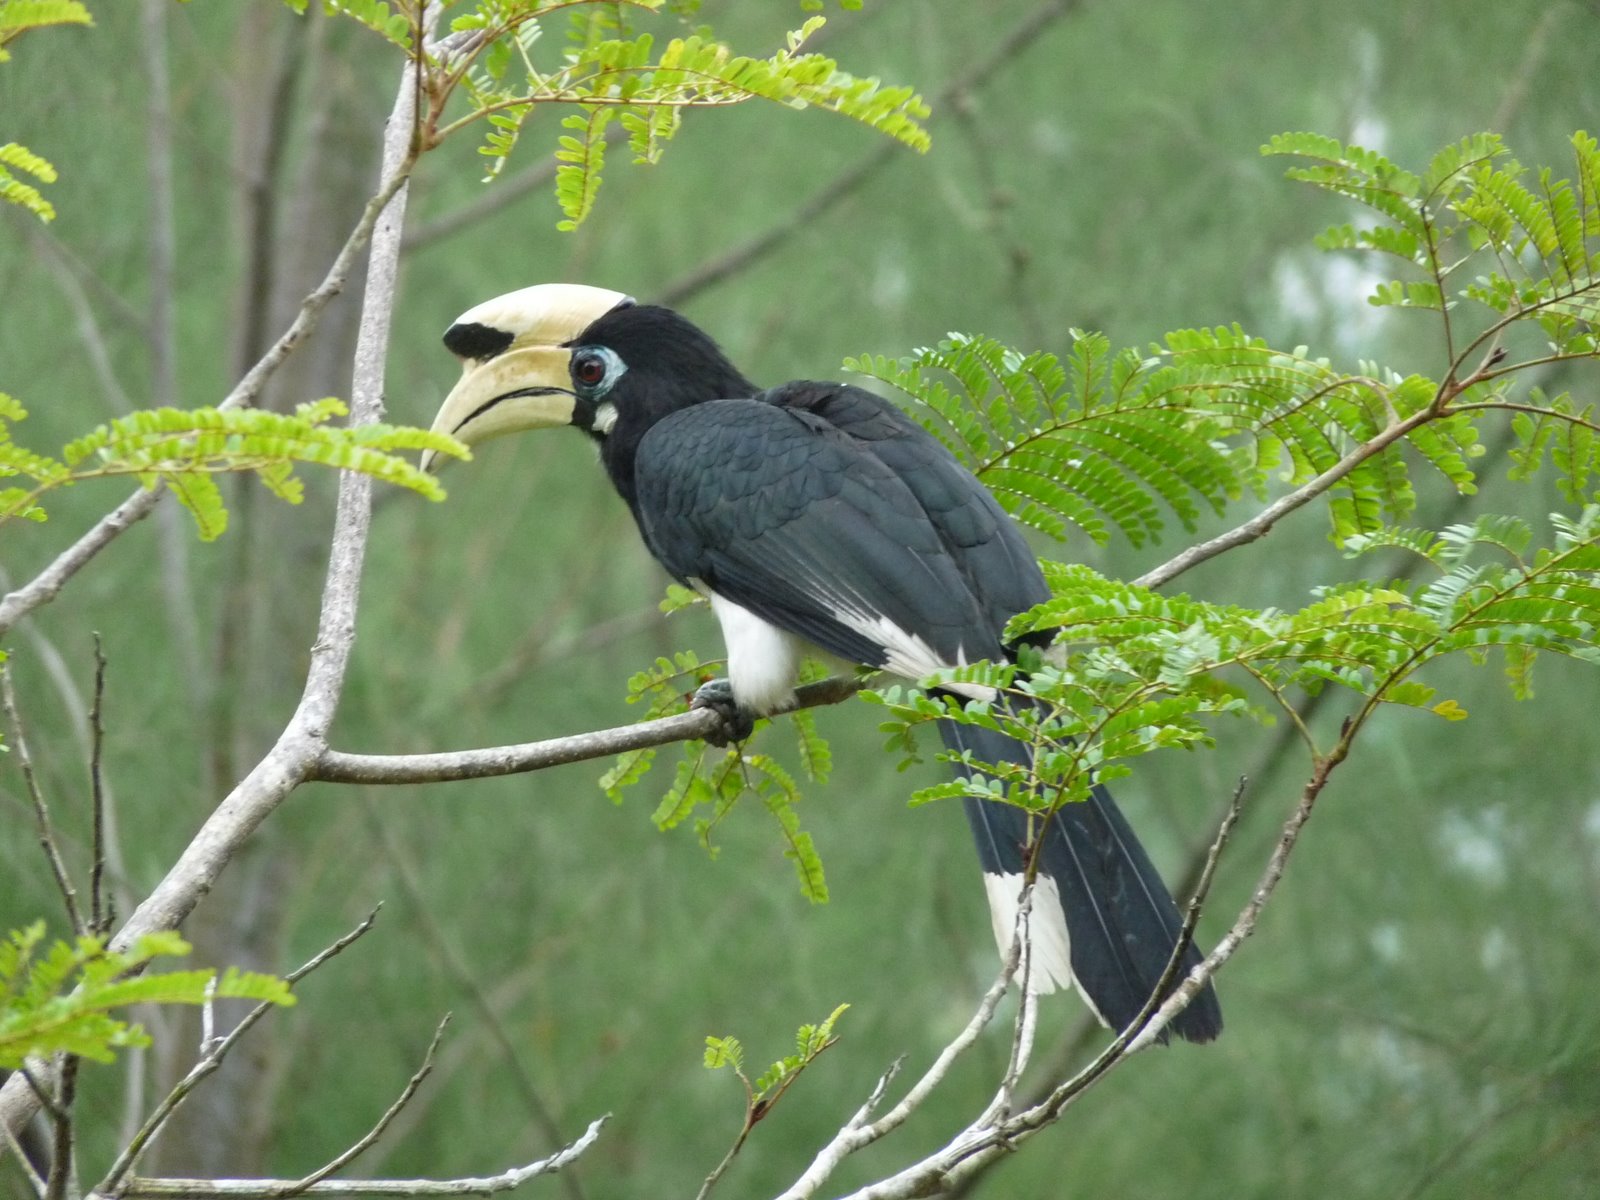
point(1140, 671)
point(390, 21)
point(1537, 247)
point(184, 448)
point(63, 999)
point(16, 18)
point(714, 782)
point(1109, 440)
point(765, 1091)
point(19, 16)
point(611, 73)
point(13, 190)
point(1112, 441)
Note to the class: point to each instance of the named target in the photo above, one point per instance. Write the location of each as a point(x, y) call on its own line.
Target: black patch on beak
point(471, 340)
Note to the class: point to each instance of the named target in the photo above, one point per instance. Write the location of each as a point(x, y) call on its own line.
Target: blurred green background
point(1416, 1015)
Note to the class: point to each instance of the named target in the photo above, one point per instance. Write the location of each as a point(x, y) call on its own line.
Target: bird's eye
point(589, 368)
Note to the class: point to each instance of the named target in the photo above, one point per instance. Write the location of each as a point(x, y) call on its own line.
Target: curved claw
point(737, 723)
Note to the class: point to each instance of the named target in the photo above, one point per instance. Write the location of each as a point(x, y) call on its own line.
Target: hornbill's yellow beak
point(515, 361)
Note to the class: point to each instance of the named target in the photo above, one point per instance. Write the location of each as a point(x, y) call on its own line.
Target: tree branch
point(335, 766)
point(1261, 524)
point(128, 1158)
point(41, 810)
point(289, 762)
point(277, 1189)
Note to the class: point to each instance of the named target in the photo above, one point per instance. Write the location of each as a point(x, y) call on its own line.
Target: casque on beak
point(515, 361)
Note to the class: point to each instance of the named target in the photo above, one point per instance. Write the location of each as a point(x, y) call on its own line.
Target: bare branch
point(136, 1146)
point(277, 1189)
point(62, 1157)
point(101, 911)
point(372, 1135)
point(34, 1179)
point(1261, 524)
point(337, 767)
point(96, 349)
point(857, 1133)
point(450, 957)
point(44, 587)
point(289, 762)
point(41, 810)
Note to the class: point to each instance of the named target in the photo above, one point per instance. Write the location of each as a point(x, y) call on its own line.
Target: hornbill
point(818, 517)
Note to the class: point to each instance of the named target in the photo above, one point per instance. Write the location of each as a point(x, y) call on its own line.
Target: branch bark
point(44, 587)
point(277, 1189)
point(289, 762)
point(333, 766)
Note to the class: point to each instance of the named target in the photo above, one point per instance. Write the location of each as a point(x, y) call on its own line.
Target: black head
point(639, 363)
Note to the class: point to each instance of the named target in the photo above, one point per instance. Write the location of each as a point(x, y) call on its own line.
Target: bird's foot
point(737, 723)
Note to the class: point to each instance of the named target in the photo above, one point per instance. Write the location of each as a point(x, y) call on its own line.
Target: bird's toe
point(737, 723)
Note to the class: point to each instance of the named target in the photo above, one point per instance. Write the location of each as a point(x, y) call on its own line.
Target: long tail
point(1103, 920)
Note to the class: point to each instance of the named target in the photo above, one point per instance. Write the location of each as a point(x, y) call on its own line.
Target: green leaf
point(15, 157)
point(724, 1052)
point(1121, 440)
point(184, 448)
point(64, 1000)
point(609, 74)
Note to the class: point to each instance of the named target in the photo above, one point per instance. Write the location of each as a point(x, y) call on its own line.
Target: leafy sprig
point(608, 72)
point(16, 18)
point(65, 998)
point(1116, 441)
point(185, 448)
point(727, 1053)
point(1136, 671)
point(711, 782)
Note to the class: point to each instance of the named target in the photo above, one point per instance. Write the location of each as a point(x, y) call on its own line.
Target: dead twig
point(213, 1058)
point(41, 809)
point(278, 1189)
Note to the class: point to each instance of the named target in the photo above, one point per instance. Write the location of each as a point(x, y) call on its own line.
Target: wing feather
point(806, 527)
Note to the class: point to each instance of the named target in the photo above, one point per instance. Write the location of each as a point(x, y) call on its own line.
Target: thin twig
point(41, 810)
point(62, 1157)
point(858, 1133)
point(277, 1189)
point(101, 910)
point(1261, 524)
point(92, 338)
point(128, 1158)
point(338, 767)
point(45, 586)
point(449, 956)
point(35, 1181)
point(372, 1135)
